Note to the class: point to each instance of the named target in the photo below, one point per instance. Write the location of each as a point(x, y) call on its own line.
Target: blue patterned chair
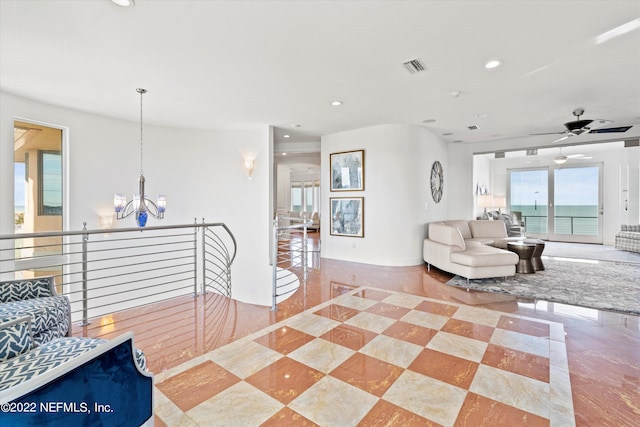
point(37, 298)
point(88, 381)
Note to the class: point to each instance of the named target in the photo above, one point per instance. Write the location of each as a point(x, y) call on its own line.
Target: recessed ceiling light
point(494, 63)
point(447, 133)
point(295, 125)
point(481, 116)
point(429, 121)
point(336, 103)
point(286, 136)
point(456, 93)
point(124, 3)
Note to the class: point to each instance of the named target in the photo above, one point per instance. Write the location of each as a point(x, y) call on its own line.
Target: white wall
point(398, 160)
point(200, 172)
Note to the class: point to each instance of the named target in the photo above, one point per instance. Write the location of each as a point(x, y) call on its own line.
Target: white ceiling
point(238, 64)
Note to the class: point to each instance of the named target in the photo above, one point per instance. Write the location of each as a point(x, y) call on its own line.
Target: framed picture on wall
point(347, 216)
point(347, 171)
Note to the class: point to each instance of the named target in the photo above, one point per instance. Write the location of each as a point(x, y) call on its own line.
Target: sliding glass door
point(577, 207)
point(559, 203)
point(529, 196)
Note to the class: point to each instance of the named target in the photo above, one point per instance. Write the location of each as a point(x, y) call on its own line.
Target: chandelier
point(140, 206)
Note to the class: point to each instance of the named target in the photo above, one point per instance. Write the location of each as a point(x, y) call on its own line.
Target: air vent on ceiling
point(632, 143)
point(499, 155)
point(473, 127)
point(414, 66)
point(533, 152)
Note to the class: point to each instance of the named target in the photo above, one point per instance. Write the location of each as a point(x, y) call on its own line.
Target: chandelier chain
point(142, 91)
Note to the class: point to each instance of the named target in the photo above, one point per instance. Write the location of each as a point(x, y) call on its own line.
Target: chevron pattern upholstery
point(15, 336)
point(48, 356)
point(18, 290)
point(49, 316)
point(43, 358)
point(49, 312)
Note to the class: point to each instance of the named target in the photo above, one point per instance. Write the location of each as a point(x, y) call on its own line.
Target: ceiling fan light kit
point(560, 160)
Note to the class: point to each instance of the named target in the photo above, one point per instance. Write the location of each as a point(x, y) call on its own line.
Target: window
point(296, 197)
point(49, 183)
point(305, 196)
point(308, 196)
point(529, 196)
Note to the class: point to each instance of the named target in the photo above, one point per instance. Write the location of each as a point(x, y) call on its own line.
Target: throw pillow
point(15, 336)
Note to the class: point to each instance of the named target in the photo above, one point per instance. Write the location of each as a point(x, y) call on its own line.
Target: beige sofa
point(473, 249)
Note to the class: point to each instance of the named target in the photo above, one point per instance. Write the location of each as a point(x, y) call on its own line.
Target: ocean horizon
point(569, 219)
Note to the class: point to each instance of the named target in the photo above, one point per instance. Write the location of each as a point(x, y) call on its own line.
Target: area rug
point(601, 285)
point(590, 251)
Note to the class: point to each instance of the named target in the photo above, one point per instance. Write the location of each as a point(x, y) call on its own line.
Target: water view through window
point(529, 195)
point(576, 201)
point(574, 192)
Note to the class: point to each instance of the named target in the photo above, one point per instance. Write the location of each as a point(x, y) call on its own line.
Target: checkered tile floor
point(371, 357)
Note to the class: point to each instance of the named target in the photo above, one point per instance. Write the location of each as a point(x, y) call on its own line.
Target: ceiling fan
point(579, 127)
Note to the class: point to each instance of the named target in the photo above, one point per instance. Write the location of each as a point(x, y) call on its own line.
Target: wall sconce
point(248, 165)
point(106, 221)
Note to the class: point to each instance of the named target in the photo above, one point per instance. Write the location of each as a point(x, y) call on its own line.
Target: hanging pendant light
point(140, 206)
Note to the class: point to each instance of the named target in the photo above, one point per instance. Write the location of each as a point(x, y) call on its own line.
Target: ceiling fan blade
point(618, 129)
point(598, 123)
point(564, 137)
point(548, 133)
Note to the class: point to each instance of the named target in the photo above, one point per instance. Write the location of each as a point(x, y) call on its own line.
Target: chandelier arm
point(127, 211)
point(152, 209)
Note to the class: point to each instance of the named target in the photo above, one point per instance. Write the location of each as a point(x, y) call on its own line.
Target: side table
point(535, 258)
point(525, 252)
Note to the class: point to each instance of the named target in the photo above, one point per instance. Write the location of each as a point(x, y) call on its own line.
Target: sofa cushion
point(462, 226)
point(447, 235)
point(484, 256)
point(492, 229)
point(47, 314)
point(18, 290)
point(15, 336)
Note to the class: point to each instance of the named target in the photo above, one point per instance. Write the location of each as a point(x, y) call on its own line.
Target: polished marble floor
point(385, 346)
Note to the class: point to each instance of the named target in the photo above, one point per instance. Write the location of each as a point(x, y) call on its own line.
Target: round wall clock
point(437, 181)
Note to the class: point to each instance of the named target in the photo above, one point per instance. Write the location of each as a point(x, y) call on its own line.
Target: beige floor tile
point(331, 402)
point(466, 348)
point(392, 350)
point(239, 405)
point(432, 399)
point(512, 389)
point(322, 355)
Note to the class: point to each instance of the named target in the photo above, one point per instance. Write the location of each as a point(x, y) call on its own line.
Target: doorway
point(38, 194)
